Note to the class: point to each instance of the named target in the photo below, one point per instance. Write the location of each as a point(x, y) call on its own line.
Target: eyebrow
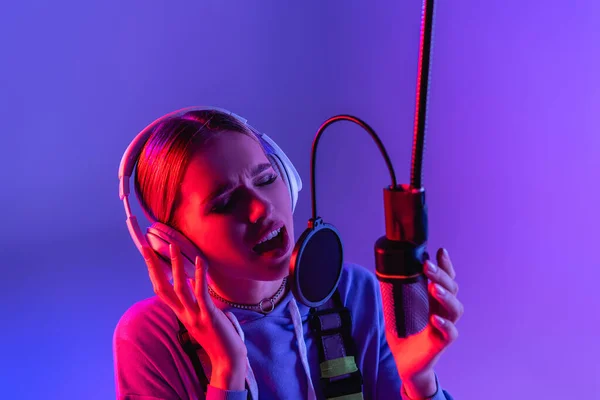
point(219, 190)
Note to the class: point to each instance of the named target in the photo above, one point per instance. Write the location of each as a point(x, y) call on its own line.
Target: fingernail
point(440, 290)
point(439, 319)
point(446, 253)
point(431, 267)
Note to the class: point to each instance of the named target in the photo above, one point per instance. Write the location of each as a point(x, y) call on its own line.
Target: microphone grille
point(405, 306)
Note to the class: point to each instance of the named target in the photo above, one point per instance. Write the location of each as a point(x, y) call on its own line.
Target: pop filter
point(316, 263)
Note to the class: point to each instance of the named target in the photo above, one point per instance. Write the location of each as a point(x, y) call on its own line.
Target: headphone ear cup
point(285, 176)
point(287, 170)
point(160, 236)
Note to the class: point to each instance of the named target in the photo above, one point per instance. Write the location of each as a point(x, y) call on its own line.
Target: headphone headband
point(132, 152)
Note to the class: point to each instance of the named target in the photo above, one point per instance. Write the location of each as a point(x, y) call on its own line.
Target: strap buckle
point(324, 324)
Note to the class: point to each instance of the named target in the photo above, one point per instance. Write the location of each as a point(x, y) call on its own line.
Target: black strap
point(192, 351)
point(351, 383)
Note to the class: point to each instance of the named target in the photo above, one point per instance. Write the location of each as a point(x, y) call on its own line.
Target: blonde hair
point(164, 158)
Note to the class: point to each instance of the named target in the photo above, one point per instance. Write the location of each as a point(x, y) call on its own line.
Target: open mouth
point(274, 245)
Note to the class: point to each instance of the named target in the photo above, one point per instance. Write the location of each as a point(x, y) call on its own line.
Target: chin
point(273, 270)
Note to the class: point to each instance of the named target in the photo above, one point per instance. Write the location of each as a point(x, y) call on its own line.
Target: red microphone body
point(399, 259)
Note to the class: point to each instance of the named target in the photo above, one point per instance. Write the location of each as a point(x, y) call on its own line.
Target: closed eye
point(268, 180)
point(224, 205)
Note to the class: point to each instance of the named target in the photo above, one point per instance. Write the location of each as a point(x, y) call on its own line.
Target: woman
point(206, 175)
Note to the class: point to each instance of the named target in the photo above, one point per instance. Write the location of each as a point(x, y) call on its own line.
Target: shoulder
point(148, 359)
point(145, 322)
point(358, 272)
point(359, 288)
point(357, 279)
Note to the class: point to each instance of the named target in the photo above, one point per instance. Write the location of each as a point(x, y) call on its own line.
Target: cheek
point(219, 237)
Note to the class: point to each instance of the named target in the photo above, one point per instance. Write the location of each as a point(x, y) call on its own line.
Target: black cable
point(313, 157)
point(416, 165)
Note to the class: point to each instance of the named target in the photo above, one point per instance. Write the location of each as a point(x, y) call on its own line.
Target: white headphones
point(159, 236)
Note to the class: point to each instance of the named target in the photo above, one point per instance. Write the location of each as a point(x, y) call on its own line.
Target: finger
point(445, 330)
point(179, 279)
point(445, 263)
point(201, 284)
point(440, 276)
point(192, 286)
point(451, 308)
point(161, 285)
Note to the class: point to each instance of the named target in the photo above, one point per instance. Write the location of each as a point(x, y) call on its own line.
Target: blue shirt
point(150, 363)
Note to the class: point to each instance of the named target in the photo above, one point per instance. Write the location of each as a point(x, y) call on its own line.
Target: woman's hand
point(207, 324)
point(417, 355)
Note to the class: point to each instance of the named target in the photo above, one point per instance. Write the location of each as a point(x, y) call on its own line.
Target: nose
point(260, 208)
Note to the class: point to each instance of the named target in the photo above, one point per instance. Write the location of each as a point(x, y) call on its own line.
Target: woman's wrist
point(420, 387)
point(229, 376)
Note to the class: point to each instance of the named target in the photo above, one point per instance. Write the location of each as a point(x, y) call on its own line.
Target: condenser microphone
point(399, 258)
point(401, 253)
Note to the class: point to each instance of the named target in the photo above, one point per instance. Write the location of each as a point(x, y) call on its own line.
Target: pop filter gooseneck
point(317, 259)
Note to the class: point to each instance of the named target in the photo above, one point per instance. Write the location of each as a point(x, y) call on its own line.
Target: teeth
point(270, 236)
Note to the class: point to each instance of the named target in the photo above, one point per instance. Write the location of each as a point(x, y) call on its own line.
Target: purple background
point(511, 165)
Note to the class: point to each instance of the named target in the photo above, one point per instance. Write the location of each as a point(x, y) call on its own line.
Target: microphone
point(399, 258)
point(401, 253)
